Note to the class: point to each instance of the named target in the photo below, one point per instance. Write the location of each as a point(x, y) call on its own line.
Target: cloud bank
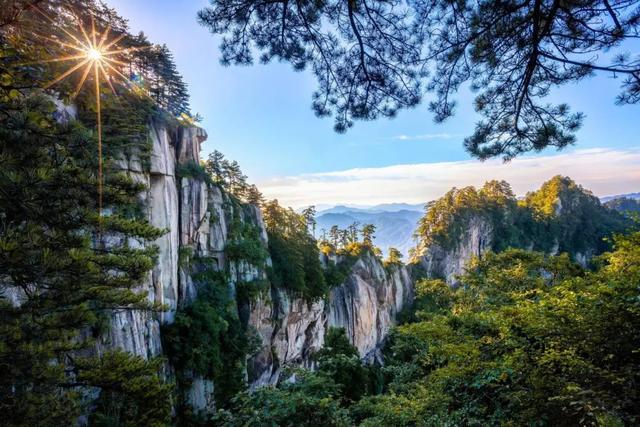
point(603, 171)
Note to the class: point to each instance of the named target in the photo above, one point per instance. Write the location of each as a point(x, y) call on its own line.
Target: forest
point(240, 306)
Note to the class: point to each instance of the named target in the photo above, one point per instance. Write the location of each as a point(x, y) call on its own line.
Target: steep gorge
point(199, 218)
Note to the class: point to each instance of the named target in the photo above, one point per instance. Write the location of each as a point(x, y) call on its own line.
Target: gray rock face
point(196, 217)
point(439, 262)
point(291, 329)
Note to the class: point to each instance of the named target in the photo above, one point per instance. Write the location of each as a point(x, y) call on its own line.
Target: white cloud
point(603, 171)
point(425, 136)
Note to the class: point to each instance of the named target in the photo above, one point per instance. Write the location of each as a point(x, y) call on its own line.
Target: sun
point(94, 54)
point(90, 52)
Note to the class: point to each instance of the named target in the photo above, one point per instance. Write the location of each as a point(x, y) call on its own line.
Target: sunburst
point(90, 52)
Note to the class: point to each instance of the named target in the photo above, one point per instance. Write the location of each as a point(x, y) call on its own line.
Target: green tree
point(525, 339)
point(314, 397)
point(394, 258)
point(560, 216)
point(334, 235)
point(59, 276)
point(65, 268)
point(215, 166)
point(371, 59)
point(310, 399)
point(340, 361)
point(309, 214)
point(368, 234)
point(294, 252)
point(352, 231)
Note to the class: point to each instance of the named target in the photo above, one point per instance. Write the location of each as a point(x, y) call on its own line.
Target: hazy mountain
point(394, 228)
point(634, 196)
point(385, 207)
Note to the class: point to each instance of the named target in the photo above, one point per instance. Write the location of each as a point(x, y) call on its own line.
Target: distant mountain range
point(383, 208)
point(395, 222)
point(634, 196)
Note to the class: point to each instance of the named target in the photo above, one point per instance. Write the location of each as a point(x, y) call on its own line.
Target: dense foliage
point(294, 252)
point(59, 276)
point(526, 339)
point(65, 266)
point(318, 398)
point(208, 339)
point(560, 216)
point(228, 176)
point(373, 58)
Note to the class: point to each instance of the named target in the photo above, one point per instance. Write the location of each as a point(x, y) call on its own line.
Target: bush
point(208, 339)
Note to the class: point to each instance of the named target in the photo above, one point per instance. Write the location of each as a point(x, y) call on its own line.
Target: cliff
point(199, 217)
point(560, 217)
point(291, 329)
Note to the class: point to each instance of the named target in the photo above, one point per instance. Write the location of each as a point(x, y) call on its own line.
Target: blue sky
point(261, 116)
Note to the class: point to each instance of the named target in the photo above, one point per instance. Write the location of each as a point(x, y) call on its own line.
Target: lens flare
point(94, 54)
point(92, 51)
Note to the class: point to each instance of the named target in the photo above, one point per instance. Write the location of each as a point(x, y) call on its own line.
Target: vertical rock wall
point(292, 329)
point(447, 263)
point(196, 216)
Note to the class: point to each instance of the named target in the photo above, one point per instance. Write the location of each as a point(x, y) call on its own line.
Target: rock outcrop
point(291, 329)
point(560, 217)
point(448, 263)
point(197, 217)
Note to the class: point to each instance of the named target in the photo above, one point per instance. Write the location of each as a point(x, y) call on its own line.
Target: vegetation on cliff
point(526, 339)
point(319, 397)
point(294, 253)
point(61, 276)
point(64, 265)
point(560, 216)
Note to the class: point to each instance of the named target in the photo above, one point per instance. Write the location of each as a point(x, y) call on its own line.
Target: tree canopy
point(373, 58)
point(526, 339)
point(65, 263)
point(561, 216)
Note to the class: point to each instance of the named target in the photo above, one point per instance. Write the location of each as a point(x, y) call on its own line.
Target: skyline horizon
point(261, 115)
point(618, 173)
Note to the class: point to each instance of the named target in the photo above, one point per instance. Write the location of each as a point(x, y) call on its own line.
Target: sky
point(261, 116)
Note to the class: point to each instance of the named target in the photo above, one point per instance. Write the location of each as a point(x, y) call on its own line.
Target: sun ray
point(81, 82)
point(103, 38)
point(115, 61)
point(125, 50)
point(125, 78)
point(98, 54)
point(62, 28)
point(114, 41)
point(82, 30)
point(107, 78)
point(67, 73)
point(61, 59)
point(61, 43)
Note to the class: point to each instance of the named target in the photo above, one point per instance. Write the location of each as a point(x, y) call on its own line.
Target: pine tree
point(63, 267)
point(368, 234)
point(215, 167)
point(374, 58)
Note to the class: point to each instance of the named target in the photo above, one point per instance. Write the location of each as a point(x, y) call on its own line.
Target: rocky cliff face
point(560, 217)
point(439, 262)
point(197, 217)
point(292, 329)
